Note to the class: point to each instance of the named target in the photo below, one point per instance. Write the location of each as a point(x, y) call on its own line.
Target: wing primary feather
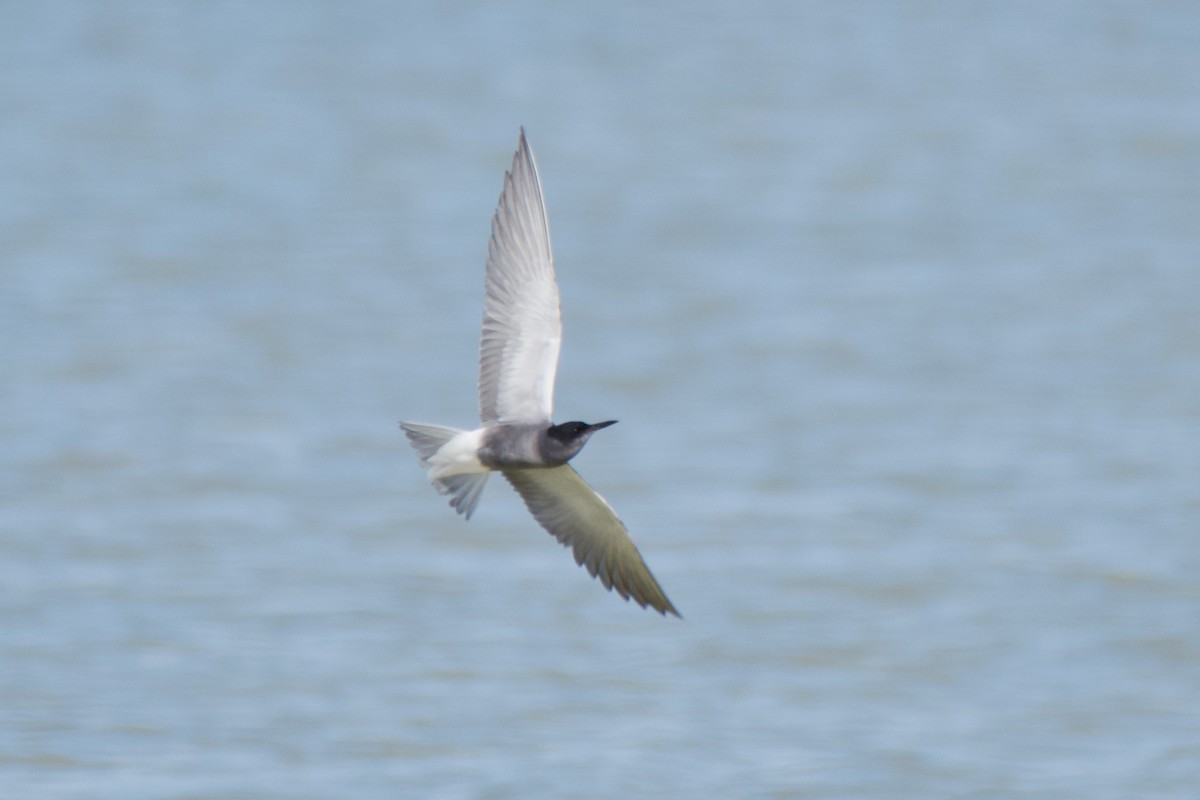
point(522, 322)
point(573, 513)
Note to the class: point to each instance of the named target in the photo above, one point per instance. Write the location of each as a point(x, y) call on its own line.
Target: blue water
point(897, 304)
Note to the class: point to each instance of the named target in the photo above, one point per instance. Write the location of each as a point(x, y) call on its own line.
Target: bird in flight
point(518, 358)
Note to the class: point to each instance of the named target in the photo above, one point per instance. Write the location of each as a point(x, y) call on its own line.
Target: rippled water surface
point(898, 305)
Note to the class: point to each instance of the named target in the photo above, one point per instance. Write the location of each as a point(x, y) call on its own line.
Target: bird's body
point(522, 333)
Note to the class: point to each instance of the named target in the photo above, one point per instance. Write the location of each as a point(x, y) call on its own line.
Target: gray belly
point(512, 446)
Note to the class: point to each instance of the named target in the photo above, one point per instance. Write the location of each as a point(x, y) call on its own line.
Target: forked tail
point(464, 488)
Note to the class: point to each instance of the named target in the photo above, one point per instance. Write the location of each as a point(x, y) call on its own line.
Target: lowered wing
point(581, 519)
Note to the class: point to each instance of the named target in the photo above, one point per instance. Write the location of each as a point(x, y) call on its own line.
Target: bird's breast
point(512, 445)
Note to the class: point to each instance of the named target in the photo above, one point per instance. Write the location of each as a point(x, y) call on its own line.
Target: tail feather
point(428, 439)
point(464, 488)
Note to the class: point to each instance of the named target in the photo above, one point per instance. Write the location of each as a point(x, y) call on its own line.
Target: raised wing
point(522, 326)
point(581, 519)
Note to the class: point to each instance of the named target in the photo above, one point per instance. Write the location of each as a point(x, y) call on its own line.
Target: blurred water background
point(898, 305)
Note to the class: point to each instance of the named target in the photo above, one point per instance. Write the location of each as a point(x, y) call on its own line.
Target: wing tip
point(660, 604)
point(666, 609)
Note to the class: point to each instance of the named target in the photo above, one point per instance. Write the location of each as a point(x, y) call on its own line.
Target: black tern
point(518, 358)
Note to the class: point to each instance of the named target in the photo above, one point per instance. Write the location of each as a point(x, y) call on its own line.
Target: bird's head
point(564, 441)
